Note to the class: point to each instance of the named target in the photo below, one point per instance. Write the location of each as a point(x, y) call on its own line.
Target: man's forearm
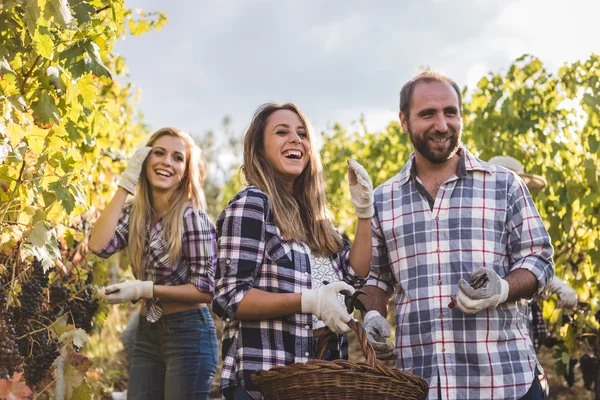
point(522, 285)
point(376, 299)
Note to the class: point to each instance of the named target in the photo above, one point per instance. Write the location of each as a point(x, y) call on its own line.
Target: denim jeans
point(175, 357)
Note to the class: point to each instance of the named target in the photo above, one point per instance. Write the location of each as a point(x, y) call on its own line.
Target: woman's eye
point(282, 132)
point(303, 134)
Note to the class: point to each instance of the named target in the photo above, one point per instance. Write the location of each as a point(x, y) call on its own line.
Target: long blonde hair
point(301, 215)
point(188, 192)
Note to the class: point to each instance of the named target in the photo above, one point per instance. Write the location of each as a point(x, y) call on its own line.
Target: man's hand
point(326, 306)
point(132, 172)
point(490, 294)
point(567, 295)
point(128, 291)
point(378, 330)
point(361, 190)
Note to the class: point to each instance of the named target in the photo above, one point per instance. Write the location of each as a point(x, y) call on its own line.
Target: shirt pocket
point(276, 249)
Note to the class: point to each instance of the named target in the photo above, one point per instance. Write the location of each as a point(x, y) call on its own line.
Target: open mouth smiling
point(292, 154)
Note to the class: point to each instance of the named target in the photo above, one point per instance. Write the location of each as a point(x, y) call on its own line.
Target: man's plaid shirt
point(252, 254)
point(482, 216)
point(195, 265)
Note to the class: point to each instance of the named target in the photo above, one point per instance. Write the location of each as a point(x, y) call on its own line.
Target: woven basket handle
point(362, 340)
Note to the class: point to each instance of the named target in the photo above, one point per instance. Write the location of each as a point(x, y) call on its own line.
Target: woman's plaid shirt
point(482, 216)
point(252, 254)
point(196, 264)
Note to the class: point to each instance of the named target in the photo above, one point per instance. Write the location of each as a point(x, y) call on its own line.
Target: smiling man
point(460, 243)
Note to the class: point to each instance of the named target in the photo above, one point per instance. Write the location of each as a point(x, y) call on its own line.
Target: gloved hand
point(567, 295)
point(326, 306)
point(132, 172)
point(361, 189)
point(492, 293)
point(128, 291)
point(378, 330)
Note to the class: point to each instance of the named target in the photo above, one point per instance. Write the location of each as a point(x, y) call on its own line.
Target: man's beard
point(421, 145)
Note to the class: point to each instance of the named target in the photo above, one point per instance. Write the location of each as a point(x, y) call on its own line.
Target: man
point(448, 225)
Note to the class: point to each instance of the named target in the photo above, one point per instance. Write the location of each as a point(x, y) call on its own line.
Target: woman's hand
point(128, 291)
point(132, 172)
point(361, 189)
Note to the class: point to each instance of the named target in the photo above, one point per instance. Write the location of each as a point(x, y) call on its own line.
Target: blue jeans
point(174, 358)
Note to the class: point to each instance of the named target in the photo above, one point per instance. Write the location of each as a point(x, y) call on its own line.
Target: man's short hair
point(426, 76)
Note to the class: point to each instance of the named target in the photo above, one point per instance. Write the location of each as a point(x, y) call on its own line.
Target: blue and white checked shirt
point(252, 254)
point(482, 216)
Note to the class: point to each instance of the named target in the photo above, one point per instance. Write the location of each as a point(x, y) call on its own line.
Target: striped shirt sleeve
point(199, 248)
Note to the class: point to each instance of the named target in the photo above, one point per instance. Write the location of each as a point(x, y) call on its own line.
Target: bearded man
point(461, 244)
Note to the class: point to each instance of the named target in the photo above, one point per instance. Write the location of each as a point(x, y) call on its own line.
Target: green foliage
point(66, 129)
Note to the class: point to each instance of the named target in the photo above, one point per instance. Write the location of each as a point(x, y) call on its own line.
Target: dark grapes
point(43, 353)
point(570, 377)
point(10, 358)
point(588, 365)
point(82, 308)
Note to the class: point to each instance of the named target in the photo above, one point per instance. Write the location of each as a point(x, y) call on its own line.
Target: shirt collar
point(468, 163)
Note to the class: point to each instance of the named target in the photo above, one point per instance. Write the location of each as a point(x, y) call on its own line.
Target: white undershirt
point(322, 270)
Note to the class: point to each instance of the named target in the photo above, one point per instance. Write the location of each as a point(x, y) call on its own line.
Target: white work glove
point(491, 293)
point(132, 172)
point(128, 291)
point(378, 330)
point(361, 189)
point(567, 295)
point(326, 306)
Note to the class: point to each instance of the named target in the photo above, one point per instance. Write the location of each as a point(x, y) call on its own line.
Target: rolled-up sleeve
point(381, 274)
point(529, 243)
point(121, 237)
point(342, 259)
point(200, 249)
point(240, 249)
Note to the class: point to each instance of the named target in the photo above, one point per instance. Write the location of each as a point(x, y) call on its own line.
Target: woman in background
point(171, 244)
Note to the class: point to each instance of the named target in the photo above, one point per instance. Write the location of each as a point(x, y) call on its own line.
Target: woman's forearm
point(187, 293)
point(258, 304)
point(360, 252)
point(105, 226)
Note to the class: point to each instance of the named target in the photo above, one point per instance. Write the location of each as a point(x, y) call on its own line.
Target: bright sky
point(337, 59)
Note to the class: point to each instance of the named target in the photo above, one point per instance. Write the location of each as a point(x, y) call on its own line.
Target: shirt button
point(441, 316)
point(227, 320)
point(439, 283)
point(437, 250)
point(305, 273)
point(228, 261)
point(443, 350)
point(307, 354)
point(306, 327)
point(437, 217)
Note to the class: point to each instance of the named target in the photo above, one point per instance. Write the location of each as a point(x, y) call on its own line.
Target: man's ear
point(403, 121)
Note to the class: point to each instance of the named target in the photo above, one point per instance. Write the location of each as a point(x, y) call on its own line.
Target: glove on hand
point(129, 291)
point(378, 330)
point(492, 293)
point(361, 190)
point(132, 172)
point(567, 295)
point(325, 305)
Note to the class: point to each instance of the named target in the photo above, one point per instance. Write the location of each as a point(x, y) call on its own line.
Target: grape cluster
point(570, 376)
point(41, 356)
point(10, 358)
point(31, 292)
point(81, 309)
point(589, 366)
point(59, 293)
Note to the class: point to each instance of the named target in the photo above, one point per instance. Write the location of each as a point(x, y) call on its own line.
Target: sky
point(338, 60)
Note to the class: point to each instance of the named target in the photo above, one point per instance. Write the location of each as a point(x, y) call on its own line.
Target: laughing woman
point(281, 262)
point(171, 244)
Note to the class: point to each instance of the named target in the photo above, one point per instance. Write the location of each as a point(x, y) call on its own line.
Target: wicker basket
point(340, 379)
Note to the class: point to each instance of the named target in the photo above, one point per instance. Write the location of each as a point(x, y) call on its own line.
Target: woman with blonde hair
point(172, 250)
point(281, 262)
